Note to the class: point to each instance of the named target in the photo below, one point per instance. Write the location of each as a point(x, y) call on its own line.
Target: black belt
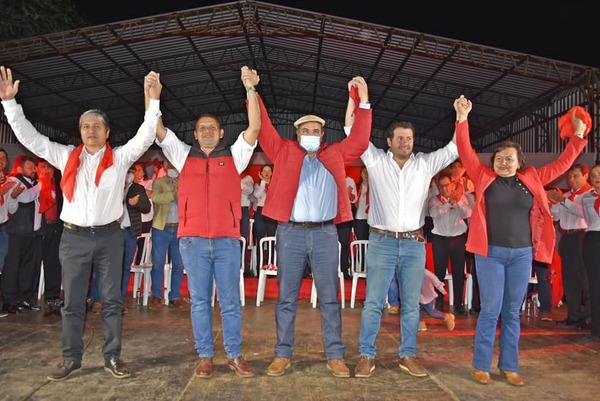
point(416, 234)
point(51, 221)
point(91, 229)
point(575, 231)
point(309, 224)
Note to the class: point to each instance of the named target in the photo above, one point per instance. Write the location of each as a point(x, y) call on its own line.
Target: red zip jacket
point(542, 226)
point(287, 157)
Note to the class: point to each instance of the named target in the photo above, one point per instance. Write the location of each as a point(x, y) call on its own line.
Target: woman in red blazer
point(510, 226)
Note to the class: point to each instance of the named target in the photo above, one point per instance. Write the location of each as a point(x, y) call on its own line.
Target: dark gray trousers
point(80, 252)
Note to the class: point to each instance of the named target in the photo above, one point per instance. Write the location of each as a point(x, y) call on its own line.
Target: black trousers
point(344, 230)
point(52, 268)
point(21, 268)
point(591, 257)
point(452, 249)
point(575, 281)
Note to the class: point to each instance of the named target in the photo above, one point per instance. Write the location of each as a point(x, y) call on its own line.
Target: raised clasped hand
point(249, 76)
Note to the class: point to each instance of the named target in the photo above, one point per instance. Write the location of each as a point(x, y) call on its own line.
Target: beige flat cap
point(309, 118)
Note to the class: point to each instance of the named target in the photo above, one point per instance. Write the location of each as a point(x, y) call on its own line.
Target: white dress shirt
point(92, 205)
point(448, 220)
point(592, 218)
point(569, 215)
point(30, 195)
point(397, 195)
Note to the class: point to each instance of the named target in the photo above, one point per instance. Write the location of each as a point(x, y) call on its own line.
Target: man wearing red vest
point(209, 207)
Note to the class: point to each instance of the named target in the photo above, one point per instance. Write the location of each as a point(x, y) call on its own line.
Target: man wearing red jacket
point(308, 196)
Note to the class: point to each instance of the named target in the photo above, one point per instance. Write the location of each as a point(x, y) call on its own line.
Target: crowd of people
point(80, 210)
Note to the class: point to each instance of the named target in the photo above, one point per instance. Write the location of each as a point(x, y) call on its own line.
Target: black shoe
point(9, 308)
point(460, 310)
point(117, 368)
point(24, 305)
point(585, 325)
point(64, 370)
point(568, 322)
point(52, 307)
point(475, 309)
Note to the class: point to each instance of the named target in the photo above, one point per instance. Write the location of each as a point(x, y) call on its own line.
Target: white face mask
point(310, 143)
point(128, 178)
point(172, 173)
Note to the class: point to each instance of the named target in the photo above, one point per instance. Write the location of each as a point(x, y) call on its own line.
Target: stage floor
point(556, 363)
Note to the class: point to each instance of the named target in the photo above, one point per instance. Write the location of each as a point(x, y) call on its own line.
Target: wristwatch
point(562, 202)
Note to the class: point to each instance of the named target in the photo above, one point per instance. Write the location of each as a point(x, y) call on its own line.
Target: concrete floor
point(557, 363)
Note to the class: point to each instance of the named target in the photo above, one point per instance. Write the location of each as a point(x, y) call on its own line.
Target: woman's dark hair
point(506, 145)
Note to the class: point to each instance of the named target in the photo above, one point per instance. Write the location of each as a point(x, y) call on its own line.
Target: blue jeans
point(503, 278)
point(386, 256)
point(432, 311)
point(394, 292)
point(296, 246)
point(204, 259)
point(128, 255)
point(163, 241)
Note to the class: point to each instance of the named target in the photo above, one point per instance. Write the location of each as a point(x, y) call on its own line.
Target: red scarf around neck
point(2, 182)
point(596, 202)
point(366, 196)
point(67, 183)
point(47, 193)
point(581, 190)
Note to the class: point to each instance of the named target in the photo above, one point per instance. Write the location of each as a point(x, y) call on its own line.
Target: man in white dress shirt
point(399, 186)
point(93, 177)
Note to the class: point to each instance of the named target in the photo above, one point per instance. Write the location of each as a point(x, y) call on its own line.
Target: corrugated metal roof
point(305, 60)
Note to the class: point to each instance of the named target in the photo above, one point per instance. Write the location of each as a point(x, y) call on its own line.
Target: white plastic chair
point(535, 303)
point(41, 284)
point(313, 291)
point(267, 265)
point(251, 246)
point(468, 299)
point(242, 286)
point(358, 264)
point(142, 272)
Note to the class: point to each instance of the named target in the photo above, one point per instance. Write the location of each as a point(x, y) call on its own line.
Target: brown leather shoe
point(240, 367)
point(64, 370)
point(338, 367)
point(513, 378)
point(411, 366)
point(365, 367)
point(278, 366)
point(117, 368)
point(204, 368)
point(156, 303)
point(177, 303)
point(394, 310)
point(482, 377)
